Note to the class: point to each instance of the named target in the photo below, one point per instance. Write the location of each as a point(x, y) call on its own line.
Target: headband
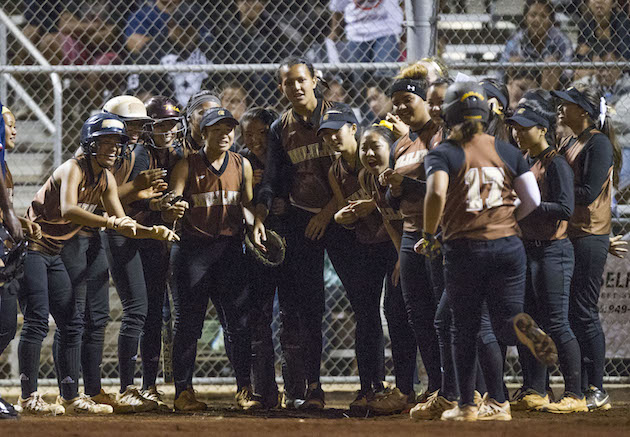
point(194, 104)
point(409, 86)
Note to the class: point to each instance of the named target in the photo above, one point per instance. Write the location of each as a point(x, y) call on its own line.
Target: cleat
point(493, 410)
point(187, 401)
point(290, 403)
point(139, 404)
point(478, 398)
point(359, 406)
point(315, 399)
point(391, 401)
point(246, 400)
point(467, 413)
point(529, 400)
point(569, 403)
point(110, 399)
point(152, 394)
point(7, 411)
point(83, 405)
point(597, 399)
point(539, 343)
point(36, 405)
point(432, 408)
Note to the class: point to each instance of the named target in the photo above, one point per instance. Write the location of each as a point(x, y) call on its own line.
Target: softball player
point(159, 151)
point(297, 163)
point(61, 207)
point(209, 261)
point(595, 157)
point(374, 152)
point(263, 281)
point(369, 246)
point(549, 255)
point(8, 290)
point(481, 250)
point(123, 255)
point(406, 182)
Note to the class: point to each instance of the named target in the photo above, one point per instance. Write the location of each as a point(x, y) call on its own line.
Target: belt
point(537, 243)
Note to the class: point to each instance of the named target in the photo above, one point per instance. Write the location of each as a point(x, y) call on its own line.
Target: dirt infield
point(225, 421)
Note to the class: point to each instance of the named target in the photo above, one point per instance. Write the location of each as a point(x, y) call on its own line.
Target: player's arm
point(344, 214)
point(70, 176)
point(9, 218)
point(247, 193)
point(274, 168)
point(127, 226)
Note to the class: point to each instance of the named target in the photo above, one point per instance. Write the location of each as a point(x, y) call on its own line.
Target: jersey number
point(489, 175)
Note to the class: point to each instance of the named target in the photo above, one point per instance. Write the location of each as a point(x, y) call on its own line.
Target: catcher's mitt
point(276, 249)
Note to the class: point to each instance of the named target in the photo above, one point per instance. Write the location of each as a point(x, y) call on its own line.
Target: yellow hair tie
point(386, 124)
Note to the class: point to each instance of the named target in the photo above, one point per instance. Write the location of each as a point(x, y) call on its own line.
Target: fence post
point(420, 32)
point(3, 60)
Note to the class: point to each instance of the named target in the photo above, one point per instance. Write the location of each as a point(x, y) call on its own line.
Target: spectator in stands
point(152, 21)
point(185, 43)
point(372, 29)
point(251, 36)
point(235, 98)
point(378, 101)
point(540, 40)
point(519, 81)
point(600, 22)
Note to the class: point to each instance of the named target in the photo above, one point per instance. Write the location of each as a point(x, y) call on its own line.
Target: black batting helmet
point(465, 101)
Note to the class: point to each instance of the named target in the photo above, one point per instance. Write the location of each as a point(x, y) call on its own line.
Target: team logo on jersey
point(414, 158)
point(306, 153)
point(215, 198)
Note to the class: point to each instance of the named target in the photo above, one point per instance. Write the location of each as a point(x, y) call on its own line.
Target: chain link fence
point(61, 60)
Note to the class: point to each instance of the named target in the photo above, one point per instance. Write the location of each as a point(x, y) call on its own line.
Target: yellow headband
point(6, 110)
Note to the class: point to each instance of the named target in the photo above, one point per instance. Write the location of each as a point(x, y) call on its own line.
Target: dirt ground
point(224, 420)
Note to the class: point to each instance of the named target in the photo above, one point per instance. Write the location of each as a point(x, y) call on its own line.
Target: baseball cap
point(216, 115)
point(525, 117)
point(335, 118)
point(572, 95)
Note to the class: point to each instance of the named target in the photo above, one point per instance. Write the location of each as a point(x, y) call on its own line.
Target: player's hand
point(316, 227)
point(346, 216)
point(399, 127)
point(396, 274)
point(13, 225)
point(363, 208)
point(146, 178)
point(617, 247)
point(163, 233)
point(148, 193)
point(278, 206)
point(259, 234)
point(390, 177)
point(258, 176)
point(123, 225)
point(176, 211)
point(32, 229)
point(428, 246)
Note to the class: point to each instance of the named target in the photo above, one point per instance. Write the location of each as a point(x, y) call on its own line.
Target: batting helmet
point(465, 101)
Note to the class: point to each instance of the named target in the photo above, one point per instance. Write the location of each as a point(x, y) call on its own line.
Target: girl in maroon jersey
point(216, 185)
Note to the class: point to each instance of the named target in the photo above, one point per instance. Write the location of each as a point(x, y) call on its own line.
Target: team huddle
point(476, 230)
